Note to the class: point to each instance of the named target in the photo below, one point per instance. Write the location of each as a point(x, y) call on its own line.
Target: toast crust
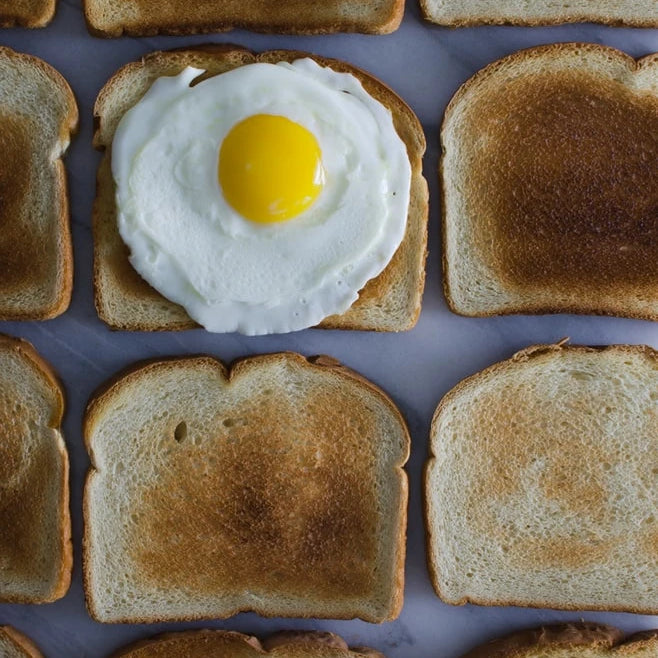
point(574, 636)
point(576, 251)
point(31, 263)
point(218, 639)
point(34, 13)
point(525, 355)
point(62, 580)
point(143, 309)
point(290, 17)
point(351, 514)
point(22, 643)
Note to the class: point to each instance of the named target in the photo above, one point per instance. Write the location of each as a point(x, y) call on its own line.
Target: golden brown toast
point(149, 17)
point(26, 13)
point(574, 640)
point(38, 113)
point(549, 185)
point(35, 542)
point(389, 302)
point(14, 644)
point(226, 644)
point(275, 487)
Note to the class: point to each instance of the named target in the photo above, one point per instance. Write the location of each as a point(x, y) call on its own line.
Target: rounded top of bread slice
point(548, 185)
point(226, 644)
point(13, 644)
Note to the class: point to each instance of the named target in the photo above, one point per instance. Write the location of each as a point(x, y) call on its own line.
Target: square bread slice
point(389, 302)
point(35, 542)
point(26, 13)
point(275, 487)
point(38, 113)
point(146, 18)
point(549, 185)
point(227, 644)
point(574, 640)
point(459, 13)
point(14, 644)
point(541, 487)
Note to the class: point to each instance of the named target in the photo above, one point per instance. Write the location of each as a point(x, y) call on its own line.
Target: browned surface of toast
point(13, 644)
point(558, 184)
point(26, 13)
point(150, 17)
point(389, 302)
point(226, 644)
point(267, 495)
point(38, 113)
point(573, 639)
point(35, 542)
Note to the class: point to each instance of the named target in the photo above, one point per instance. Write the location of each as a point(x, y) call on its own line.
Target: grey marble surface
point(425, 65)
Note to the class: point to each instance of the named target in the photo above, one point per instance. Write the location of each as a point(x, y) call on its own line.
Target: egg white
point(231, 274)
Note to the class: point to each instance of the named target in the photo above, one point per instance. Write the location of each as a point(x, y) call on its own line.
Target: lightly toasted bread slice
point(227, 644)
point(35, 542)
point(541, 489)
point(26, 13)
point(275, 487)
point(460, 13)
point(14, 644)
point(389, 302)
point(549, 186)
point(38, 113)
point(574, 640)
point(147, 18)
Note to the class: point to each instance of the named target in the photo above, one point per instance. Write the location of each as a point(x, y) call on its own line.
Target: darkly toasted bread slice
point(14, 644)
point(541, 484)
point(226, 644)
point(550, 187)
point(26, 13)
point(275, 487)
point(389, 302)
point(641, 13)
point(37, 115)
point(146, 17)
point(575, 640)
point(35, 542)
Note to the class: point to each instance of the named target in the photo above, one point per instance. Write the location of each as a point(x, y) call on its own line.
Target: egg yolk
point(270, 168)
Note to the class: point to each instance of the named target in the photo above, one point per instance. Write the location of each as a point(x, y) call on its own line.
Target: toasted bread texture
point(148, 17)
point(26, 13)
point(226, 644)
point(541, 485)
point(14, 644)
point(549, 185)
point(275, 487)
point(35, 542)
point(37, 115)
point(575, 640)
point(389, 302)
point(459, 13)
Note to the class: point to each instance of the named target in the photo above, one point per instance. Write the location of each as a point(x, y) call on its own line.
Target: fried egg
point(262, 199)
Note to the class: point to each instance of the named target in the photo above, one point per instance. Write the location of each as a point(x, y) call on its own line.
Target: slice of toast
point(14, 644)
point(549, 186)
point(26, 13)
point(38, 113)
point(35, 542)
point(389, 302)
point(574, 640)
point(146, 18)
point(226, 644)
point(275, 487)
point(541, 484)
point(460, 13)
